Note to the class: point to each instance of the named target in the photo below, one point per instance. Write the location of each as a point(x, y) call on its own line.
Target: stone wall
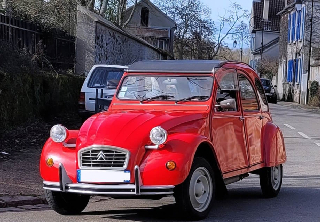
point(113, 47)
point(101, 42)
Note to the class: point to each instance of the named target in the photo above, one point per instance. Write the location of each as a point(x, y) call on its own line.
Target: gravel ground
point(20, 150)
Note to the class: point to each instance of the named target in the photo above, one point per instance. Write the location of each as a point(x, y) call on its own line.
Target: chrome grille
point(103, 158)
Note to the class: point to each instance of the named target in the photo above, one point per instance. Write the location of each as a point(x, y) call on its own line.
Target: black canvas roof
point(176, 66)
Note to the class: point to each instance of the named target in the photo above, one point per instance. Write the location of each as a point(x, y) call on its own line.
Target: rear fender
point(181, 149)
point(60, 154)
point(273, 145)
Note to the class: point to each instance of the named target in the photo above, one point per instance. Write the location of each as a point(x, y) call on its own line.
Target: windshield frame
point(126, 75)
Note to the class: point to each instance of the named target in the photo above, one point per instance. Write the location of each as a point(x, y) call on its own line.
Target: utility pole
point(310, 47)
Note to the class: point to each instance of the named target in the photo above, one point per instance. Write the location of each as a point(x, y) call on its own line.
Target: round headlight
point(58, 133)
point(158, 135)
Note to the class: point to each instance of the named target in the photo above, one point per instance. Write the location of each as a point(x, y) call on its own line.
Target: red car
point(182, 128)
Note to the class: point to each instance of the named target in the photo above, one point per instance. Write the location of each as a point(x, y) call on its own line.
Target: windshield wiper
point(191, 98)
point(156, 97)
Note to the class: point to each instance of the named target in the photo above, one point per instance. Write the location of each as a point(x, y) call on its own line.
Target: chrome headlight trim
point(58, 133)
point(158, 135)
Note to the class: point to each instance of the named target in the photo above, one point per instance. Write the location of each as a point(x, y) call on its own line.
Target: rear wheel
point(271, 181)
point(195, 195)
point(66, 203)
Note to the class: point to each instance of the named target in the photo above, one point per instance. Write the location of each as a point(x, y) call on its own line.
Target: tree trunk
point(104, 7)
point(91, 4)
point(131, 14)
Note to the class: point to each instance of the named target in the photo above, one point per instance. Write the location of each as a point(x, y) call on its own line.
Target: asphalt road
point(299, 199)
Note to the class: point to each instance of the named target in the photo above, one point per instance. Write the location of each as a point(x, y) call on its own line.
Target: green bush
point(28, 96)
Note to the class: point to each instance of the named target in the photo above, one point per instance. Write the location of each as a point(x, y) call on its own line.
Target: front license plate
point(103, 176)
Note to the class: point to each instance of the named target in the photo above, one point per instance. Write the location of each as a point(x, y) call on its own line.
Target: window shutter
point(290, 66)
point(303, 22)
point(289, 28)
point(296, 61)
point(300, 70)
point(293, 29)
point(298, 33)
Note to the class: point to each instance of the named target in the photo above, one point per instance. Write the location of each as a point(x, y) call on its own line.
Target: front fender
point(273, 144)
point(59, 154)
point(179, 148)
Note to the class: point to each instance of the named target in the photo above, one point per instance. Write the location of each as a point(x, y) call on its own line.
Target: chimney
point(266, 10)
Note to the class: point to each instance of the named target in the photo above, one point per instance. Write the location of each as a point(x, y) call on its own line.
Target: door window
point(262, 95)
point(248, 96)
point(226, 99)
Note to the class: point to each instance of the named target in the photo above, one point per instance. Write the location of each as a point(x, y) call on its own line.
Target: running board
point(235, 179)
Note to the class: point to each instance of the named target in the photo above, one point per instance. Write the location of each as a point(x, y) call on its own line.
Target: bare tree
point(197, 36)
point(268, 67)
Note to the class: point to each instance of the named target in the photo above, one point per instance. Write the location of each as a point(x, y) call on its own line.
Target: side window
point(262, 95)
point(226, 99)
point(248, 97)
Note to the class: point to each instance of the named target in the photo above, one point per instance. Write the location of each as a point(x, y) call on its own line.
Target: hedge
point(27, 96)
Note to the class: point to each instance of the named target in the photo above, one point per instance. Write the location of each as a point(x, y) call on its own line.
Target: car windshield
point(265, 82)
point(170, 88)
point(105, 77)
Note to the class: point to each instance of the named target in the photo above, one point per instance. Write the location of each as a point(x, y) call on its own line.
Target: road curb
point(15, 201)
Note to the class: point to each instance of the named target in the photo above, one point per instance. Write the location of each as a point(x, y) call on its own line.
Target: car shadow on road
point(241, 204)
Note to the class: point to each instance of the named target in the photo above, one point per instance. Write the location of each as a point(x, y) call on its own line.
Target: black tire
point(275, 100)
point(270, 181)
point(66, 203)
point(207, 185)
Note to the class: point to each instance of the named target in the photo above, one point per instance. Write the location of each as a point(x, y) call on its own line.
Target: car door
point(227, 126)
point(253, 118)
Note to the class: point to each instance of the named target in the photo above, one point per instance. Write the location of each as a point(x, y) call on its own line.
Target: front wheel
point(271, 181)
point(66, 203)
point(195, 195)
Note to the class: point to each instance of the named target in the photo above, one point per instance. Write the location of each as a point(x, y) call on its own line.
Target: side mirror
point(229, 104)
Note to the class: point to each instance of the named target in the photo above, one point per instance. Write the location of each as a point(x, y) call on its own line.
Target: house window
point(145, 17)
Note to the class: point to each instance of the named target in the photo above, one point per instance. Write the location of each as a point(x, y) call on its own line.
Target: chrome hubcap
point(276, 177)
point(200, 189)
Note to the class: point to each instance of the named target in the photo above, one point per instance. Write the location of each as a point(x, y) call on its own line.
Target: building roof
point(275, 6)
point(175, 66)
point(150, 4)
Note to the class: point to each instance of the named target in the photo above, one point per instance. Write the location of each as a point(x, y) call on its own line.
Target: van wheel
point(271, 181)
point(66, 203)
point(195, 196)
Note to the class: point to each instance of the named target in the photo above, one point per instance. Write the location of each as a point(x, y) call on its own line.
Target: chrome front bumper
point(65, 185)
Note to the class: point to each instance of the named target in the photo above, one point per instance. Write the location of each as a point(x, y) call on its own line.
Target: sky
point(219, 8)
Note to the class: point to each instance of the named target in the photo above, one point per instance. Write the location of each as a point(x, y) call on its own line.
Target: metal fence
point(57, 46)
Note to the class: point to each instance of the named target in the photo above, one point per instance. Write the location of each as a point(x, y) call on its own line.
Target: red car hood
point(130, 129)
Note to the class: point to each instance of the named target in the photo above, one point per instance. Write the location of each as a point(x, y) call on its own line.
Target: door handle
point(261, 117)
point(241, 118)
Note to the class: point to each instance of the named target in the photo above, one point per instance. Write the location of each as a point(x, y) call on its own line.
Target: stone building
point(293, 75)
point(265, 30)
point(99, 41)
point(151, 24)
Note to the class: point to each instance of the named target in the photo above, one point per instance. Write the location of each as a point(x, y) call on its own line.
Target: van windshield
point(170, 88)
point(104, 77)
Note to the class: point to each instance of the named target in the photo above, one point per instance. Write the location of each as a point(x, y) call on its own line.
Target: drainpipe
point(310, 47)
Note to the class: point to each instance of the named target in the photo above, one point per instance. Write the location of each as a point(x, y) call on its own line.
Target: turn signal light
point(49, 162)
point(171, 165)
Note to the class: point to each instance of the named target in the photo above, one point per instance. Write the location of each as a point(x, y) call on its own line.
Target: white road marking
point(291, 127)
point(304, 135)
point(318, 144)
